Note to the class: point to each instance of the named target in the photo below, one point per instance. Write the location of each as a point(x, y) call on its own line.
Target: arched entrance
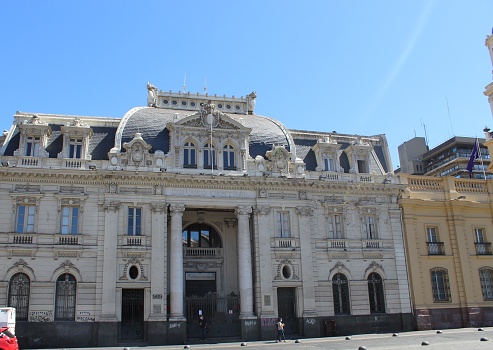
point(204, 259)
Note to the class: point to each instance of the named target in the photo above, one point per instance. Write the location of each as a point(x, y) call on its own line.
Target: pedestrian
point(280, 331)
point(203, 328)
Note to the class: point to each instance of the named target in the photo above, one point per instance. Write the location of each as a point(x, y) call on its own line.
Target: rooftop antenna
point(426, 136)
point(450, 120)
point(185, 83)
point(205, 85)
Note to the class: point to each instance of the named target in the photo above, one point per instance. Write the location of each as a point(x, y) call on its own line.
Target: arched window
point(229, 158)
point(19, 288)
point(66, 287)
point(486, 278)
point(189, 155)
point(201, 236)
point(375, 293)
point(209, 156)
point(340, 290)
point(440, 285)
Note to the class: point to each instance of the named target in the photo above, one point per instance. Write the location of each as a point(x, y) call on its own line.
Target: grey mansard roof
point(151, 123)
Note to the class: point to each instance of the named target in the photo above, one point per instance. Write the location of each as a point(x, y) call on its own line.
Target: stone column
point(108, 304)
point(245, 262)
point(176, 263)
point(158, 262)
point(307, 263)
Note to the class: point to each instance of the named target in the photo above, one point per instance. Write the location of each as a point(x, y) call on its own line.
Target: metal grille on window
point(485, 276)
point(375, 293)
point(66, 287)
point(440, 285)
point(340, 291)
point(19, 288)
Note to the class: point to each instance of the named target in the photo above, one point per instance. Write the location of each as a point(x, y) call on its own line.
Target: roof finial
point(205, 85)
point(185, 82)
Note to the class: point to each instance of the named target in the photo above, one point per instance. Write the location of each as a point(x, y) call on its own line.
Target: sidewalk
point(450, 339)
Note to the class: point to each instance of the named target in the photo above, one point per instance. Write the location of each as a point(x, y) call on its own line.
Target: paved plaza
point(449, 339)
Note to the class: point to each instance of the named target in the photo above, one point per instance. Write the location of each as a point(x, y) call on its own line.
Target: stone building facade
point(447, 225)
point(124, 231)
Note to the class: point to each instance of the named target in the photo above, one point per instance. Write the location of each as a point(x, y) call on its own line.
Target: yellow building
point(448, 233)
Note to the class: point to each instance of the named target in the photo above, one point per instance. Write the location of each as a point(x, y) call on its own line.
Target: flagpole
point(481, 157)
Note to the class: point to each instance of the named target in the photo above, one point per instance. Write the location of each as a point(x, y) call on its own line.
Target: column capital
point(304, 211)
point(158, 207)
point(113, 206)
point(262, 210)
point(243, 210)
point(177, 208)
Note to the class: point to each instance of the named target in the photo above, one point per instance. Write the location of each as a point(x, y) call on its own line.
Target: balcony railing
point(285, 242)
point(436, 248)
point(202, 252)
point(23, 239)
point(133, 240)
point(483, 248)
point(68, 239)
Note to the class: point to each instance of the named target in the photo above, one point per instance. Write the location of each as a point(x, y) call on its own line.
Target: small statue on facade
point(151, 95)
point(251, 102)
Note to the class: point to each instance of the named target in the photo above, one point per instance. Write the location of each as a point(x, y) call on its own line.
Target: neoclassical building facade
point(125, 230)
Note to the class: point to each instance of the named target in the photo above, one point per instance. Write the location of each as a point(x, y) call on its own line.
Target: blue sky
point(357, 67)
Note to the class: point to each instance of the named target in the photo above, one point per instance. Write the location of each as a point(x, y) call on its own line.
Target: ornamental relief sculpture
point(279, 159)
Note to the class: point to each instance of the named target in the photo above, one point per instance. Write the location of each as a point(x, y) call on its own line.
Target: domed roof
point(151, 123)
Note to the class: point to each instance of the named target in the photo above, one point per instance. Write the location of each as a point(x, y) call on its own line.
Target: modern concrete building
point(447, 225)
point(126, 230)
point(450, 158)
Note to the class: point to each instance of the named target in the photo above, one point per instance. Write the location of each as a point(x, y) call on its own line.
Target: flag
point(473, 157)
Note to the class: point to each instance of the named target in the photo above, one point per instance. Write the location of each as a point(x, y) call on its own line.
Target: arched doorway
point(204, 259)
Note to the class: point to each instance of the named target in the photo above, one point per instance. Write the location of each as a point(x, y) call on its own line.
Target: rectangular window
point(70, 220)
point(32, 146)
point(362, 166)
point(440, 285)
point(479, 235)
point(431, 233)
point(370, 227)
point(25, 219)
point(329, 164)
point(282, 224)
point(75, 148)
point(335, 226)
point(485, 276)
point(134, 221)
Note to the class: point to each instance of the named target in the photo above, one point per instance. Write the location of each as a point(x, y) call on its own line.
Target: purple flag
point(473, 157)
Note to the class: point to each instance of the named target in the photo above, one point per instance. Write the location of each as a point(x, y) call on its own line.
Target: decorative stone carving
point(151, 95)
point(262, 210)
point(251, 101)
point(158, 207)
point(112, 206)
point(304, 211)
point(243, 210)
point(280, 159)
point(137, 151)
point(177, 209)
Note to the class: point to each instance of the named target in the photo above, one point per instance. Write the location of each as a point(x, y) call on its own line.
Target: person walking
point(280, 331)
point(203, 328)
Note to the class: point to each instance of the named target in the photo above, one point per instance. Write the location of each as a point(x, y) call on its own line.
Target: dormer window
point(362, 168)
point(32, 146)
point(209, 157)
point(76, 137)
point(75, 148)
point(34, 137)
point(329, 164)
point(189, 155)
